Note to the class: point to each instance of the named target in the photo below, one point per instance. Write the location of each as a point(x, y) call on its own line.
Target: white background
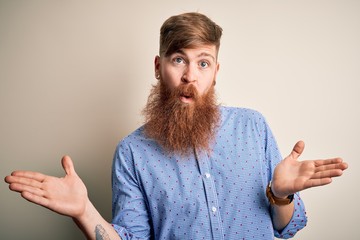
point(75, 75)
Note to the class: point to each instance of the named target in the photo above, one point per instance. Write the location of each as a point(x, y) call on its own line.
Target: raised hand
point(292, 175)
point(66, 196)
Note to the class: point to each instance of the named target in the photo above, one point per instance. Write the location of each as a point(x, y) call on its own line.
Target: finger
point(297, 149)
point(35, 199)
point(341, 166)
point(328, 161)
point(23, 181)
point(30, 175)
point(317, 182)
point(25, 188)
point(328, 174)
point(68, 165)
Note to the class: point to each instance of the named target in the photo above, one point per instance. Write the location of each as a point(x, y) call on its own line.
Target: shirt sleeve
point(273, 156)
point(297, 222)
point(130, 215)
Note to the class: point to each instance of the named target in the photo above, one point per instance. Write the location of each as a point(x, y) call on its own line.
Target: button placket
point(214, 209)
point(212, 201)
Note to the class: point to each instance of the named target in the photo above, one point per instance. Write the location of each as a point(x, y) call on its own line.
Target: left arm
point(291, 176)
point(282, 215)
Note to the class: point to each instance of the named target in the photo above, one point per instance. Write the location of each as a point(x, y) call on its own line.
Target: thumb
point(297, 149)
point(68, 165)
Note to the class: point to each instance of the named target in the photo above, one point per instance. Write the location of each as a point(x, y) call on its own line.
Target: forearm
point(282, 215)
point(94, 226)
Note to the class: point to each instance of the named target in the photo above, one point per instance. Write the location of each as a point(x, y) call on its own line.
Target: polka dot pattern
point(217, 195)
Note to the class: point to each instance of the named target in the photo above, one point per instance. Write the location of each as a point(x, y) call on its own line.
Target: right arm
point(94, 226)
point(66, 196)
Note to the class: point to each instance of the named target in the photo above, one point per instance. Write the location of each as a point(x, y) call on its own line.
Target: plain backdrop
point(75, 75)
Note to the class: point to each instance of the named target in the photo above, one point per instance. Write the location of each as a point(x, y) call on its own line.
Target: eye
point(178, 60)
point(204, 64)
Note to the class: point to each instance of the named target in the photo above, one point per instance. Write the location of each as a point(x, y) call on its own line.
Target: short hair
point(188, 30)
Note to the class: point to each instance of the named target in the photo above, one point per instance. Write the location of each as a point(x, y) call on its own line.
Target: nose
point(189, 75)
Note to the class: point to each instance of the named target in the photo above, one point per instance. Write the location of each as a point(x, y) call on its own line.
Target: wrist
point(86, 212)
point(276, 194)
point(277, 199)
point(276, 189)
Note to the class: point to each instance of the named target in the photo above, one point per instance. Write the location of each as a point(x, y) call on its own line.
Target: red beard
point(180, 127)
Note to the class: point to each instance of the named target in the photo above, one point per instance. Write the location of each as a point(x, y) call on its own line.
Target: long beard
point(180, 127)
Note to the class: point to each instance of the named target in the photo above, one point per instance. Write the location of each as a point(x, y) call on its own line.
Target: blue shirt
point(204, 196)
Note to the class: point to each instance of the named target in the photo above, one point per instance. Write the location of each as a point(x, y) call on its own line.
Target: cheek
point(205, 85)
point(171, 78)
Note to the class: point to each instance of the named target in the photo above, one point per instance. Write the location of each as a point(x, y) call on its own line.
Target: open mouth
point(186, 98)
point(187, 94)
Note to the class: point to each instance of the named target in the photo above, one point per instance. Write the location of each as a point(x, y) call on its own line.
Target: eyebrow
point(202, 54)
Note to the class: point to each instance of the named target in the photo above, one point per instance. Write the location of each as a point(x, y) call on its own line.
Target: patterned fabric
point(204, 196)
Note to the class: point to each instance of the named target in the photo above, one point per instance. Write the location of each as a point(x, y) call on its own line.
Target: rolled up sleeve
point(130, 214)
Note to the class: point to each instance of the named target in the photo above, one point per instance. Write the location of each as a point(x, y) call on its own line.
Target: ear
point(216, 72)
point(157, 67)
point(217, 67)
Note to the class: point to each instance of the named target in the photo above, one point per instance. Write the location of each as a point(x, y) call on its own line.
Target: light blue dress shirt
point(205, 196)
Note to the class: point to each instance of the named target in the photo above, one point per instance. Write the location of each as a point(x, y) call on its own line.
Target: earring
point(157, 76)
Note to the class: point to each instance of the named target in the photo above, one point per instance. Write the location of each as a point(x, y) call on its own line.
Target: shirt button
point(207, 175)
point(213, 209)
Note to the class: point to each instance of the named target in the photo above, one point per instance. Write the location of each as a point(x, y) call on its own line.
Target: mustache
point(188, 91)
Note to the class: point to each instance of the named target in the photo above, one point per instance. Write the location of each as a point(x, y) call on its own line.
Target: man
point(195, 170)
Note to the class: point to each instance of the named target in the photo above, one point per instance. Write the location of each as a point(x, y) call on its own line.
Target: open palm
point(292, 175)
point(66, 195)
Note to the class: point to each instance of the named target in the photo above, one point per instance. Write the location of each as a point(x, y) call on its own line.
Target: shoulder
point(134, 136)
point(137, 143)
point(241, 113)
point(132, 139)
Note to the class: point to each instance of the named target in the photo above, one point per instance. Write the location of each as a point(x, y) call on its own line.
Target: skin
point(291, 176)
point(68, 195)
point(197, 66)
